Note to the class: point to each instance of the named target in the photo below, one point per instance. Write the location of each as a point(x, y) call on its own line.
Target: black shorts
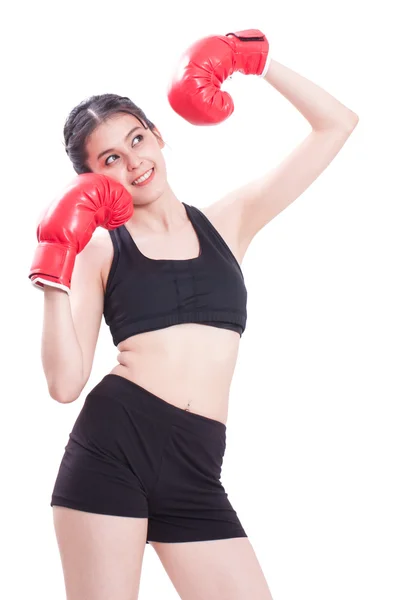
point(132, 454)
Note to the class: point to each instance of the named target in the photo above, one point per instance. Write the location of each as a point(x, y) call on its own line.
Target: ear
point(158, 135)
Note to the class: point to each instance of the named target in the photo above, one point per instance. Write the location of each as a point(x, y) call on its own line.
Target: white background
point(312, 461)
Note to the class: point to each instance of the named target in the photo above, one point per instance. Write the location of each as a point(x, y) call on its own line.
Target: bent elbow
point(64, 396)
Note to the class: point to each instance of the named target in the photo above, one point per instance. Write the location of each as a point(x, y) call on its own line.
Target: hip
point(125, 431)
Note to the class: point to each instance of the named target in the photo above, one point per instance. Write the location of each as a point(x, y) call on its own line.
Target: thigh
point(101, 555)
point(217, 570)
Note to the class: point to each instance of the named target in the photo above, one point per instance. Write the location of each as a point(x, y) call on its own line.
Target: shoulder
point(101, 248)
point(225, 222)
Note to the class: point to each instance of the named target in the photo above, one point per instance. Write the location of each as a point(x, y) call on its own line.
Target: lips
point(146, 180)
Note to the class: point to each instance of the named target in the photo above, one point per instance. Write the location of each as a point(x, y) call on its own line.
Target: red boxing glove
point(90, 201)
point(195, 90)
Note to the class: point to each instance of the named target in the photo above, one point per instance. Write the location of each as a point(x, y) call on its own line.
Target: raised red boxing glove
point(90, 201)
point(195, 89)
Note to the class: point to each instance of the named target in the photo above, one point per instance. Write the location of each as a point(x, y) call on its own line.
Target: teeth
point(143, 177)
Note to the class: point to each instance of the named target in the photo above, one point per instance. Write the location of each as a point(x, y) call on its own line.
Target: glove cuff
point(53, 264)
point(250, 47)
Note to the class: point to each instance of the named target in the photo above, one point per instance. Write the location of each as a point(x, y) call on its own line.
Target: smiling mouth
point(143, 178)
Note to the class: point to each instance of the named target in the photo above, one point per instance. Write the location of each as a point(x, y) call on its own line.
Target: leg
point(192, 525)
point(214, 570)
point(100, 505)
point(101, 555)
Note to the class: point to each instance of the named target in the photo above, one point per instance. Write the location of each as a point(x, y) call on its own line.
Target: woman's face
point(125, 151)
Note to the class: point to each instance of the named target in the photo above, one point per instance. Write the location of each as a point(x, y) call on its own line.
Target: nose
point(133, 160)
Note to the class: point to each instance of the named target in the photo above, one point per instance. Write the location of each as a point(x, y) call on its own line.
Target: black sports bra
point(144, 294)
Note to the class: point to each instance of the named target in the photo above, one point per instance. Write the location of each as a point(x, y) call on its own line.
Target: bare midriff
point(188, 365)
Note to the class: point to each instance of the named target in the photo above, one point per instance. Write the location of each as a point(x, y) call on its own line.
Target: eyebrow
point(126, 137)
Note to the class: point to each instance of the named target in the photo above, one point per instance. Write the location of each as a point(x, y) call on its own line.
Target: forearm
point(321, 110)
point(61, 353)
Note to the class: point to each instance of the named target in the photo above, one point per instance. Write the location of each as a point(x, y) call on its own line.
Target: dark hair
point(87, 115)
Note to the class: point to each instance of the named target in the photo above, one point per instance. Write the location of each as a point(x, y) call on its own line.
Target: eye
point(136, 137)
point(111, 156)
point(108, 162)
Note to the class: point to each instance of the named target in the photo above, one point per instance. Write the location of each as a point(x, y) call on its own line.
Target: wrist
point(50, 289)
point(266, 67)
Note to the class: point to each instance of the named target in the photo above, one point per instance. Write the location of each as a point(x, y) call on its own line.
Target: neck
point(164, 216)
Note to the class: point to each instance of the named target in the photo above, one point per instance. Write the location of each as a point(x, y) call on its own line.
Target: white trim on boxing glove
point(39, 280)
point(266, 66)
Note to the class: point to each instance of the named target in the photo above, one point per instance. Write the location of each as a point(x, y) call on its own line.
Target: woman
point(143, 460)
